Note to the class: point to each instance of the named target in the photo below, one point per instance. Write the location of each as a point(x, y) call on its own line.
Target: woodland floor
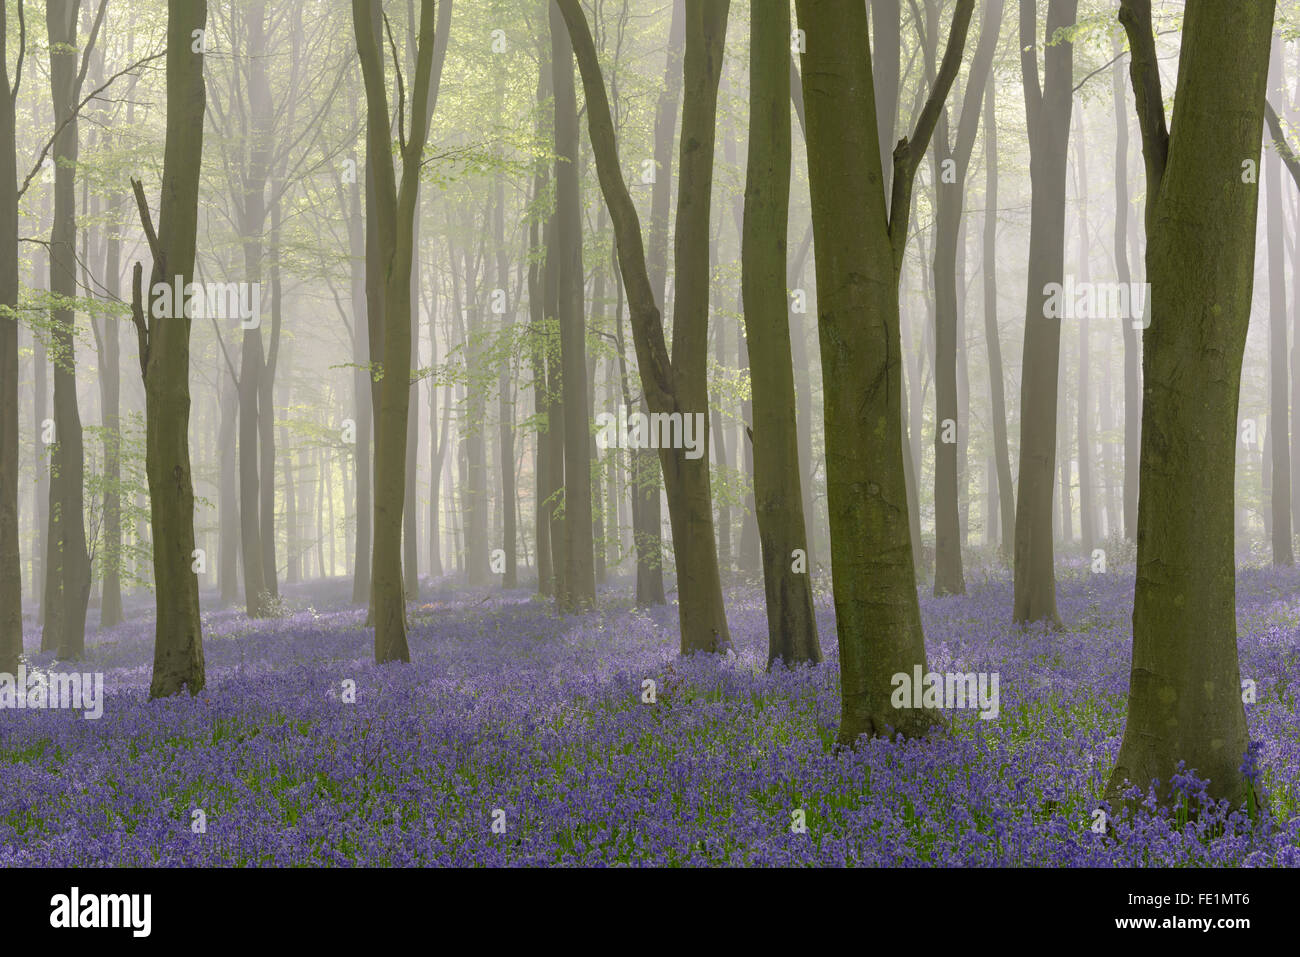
point(507, 707)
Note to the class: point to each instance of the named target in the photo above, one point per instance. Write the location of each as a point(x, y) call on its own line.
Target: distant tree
point(11, 590)
point(1048, 106)
point(676, 383)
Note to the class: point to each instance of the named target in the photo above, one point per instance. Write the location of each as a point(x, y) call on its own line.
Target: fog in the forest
point(656, 406)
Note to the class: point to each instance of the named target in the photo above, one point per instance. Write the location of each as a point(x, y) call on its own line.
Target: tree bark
point(164, 362)
point(394, 215)
point(67, 577)
point(578, 585)
point(1048, 109)
point(1185, 699)
point(677, 384)
point(778, 493)
point(11, 611)
point(860, 247)
point(1278, 383)
point(992, 338)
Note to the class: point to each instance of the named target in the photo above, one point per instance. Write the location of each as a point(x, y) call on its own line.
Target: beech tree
point(1185, 698)
point(673, 383)
point(778, 493)
point(859, 244)
point(1048, 105)
point(389, 259)
point(164, 349)
point(11, 607)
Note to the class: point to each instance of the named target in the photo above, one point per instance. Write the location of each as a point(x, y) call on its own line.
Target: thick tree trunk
point(859, 253)
point(778, 493)
point(1185, 699)
point(1048, 111)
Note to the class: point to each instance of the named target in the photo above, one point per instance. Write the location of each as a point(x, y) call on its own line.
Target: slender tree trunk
point(1087, 491)
point(1278, 383)
point(165, 364)
point(537, 308)
point(11, 611)
point(646, 480)
point(227, 493)
point(677, 384)
point(950, 439)
point(394, 215)
point(992, 338)
point(1048, 110)
point(778, 493)
point(362, 387)
point(110, 608)
point(506, 427)
point(579, 583)
point(67, 580)
point(1132, 344)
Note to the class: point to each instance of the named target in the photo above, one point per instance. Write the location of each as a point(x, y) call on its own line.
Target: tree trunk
point(11, 611)
point(164, 362)
point(778, 493)
point(362, 387)
point(677, 384)
point(1087, 491)
point(1132, 344)
point(578, 589)
point(860, 248)
point(505, 406)
point(1278, 384)
point(1048, 111)
point(646, 475)
point(992, 338)
point(1185, 701)
point(950, 203)
point(110, 606)
point(67, 579)
point(394, 215)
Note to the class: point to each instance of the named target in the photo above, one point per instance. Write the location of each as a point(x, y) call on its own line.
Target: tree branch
point(1144, 71)
point(909, 153)
point(1279, 142)
point(146, 220)
point(137, 317)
